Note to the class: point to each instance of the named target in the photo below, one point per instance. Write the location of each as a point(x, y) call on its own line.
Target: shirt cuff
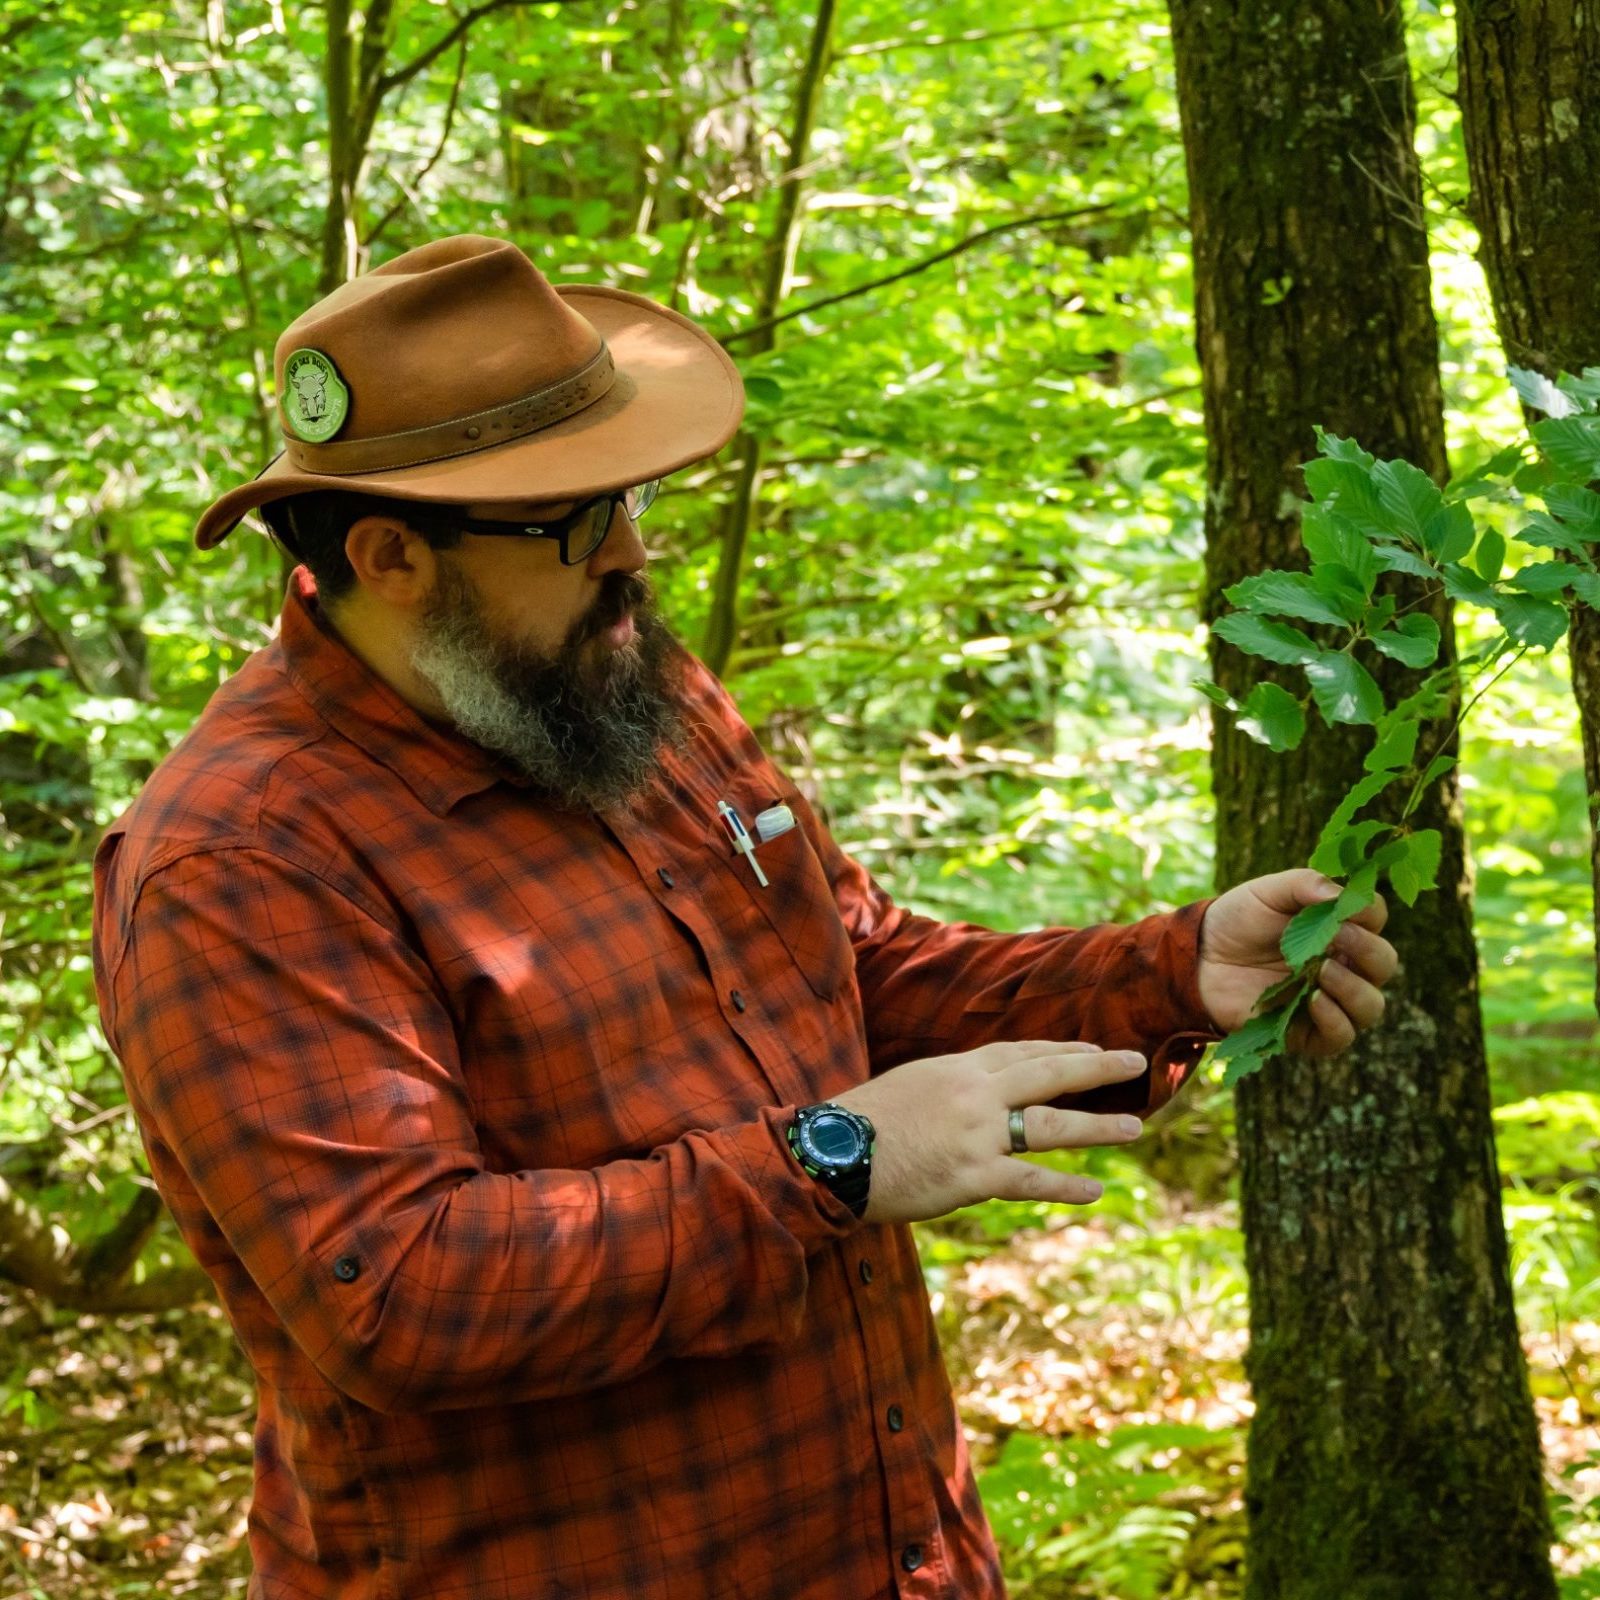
point(1172, 1028)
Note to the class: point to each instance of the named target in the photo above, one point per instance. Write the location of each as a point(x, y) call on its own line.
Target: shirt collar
point(439, 765)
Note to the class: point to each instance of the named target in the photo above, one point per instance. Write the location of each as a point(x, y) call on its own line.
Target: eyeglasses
point(581, 531)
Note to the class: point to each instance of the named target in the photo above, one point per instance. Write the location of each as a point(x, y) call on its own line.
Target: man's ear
point(392, 562)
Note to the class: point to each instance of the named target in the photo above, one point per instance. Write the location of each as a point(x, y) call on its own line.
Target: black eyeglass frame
point(561, 528)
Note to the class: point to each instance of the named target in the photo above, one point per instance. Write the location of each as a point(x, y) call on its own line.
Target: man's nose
point(622, 550)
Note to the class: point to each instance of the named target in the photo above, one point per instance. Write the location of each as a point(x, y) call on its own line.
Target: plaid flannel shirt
point(474, 1112)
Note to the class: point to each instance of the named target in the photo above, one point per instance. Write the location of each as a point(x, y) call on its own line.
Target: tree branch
point(426, 58)
point(968, 243)
point(428, 165)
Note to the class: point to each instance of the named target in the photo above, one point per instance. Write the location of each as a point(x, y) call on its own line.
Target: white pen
point(741, 839)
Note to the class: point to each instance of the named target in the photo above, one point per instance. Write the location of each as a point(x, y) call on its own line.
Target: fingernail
point(1092, 1189)
point(1326, 890)
point(1130, 1125)
point(1133, 1060)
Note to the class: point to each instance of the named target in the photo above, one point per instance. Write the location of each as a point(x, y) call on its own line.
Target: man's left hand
point(1239, 958)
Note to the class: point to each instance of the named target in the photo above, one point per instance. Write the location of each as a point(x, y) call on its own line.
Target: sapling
point(1366, 517)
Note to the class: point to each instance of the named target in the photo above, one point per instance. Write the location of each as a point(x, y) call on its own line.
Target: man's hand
point(1239, 958)
point(943, 1139)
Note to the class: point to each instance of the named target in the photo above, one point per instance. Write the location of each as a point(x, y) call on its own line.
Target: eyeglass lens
point(588, 537)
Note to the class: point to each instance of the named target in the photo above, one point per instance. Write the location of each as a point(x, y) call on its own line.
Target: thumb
point(1287, 892)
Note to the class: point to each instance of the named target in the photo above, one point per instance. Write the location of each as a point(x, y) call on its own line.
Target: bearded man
point(545, 1091)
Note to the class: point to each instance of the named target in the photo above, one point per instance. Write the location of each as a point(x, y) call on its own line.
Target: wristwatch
point(835, 1147)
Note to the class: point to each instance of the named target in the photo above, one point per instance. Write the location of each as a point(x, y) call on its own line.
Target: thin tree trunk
point(1394, 1453)
point(1530, 113)
point(336, 215)
point(722, 625)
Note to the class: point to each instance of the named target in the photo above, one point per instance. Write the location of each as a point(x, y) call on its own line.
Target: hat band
point(461, 436)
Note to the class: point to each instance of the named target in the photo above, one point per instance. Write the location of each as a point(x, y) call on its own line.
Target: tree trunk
point(1530, 113)
point(1394, 1453)
point(722, 625)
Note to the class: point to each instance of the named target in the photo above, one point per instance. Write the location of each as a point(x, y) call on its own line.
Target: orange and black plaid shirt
point(474, 1110)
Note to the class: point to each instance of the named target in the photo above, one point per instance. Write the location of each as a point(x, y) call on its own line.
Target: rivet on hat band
point(461, 436)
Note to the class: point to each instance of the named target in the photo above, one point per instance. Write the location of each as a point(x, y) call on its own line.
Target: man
point(544, 1090)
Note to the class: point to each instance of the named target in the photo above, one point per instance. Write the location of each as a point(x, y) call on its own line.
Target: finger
point(1025, 1083)
point(1012, 1179)
point(1330, 1029)
point(1373, 916)
point(1007, 1053)
point(1049, 1128)
point(1287, 892)
point(1359, 1000)
point(1366, 953)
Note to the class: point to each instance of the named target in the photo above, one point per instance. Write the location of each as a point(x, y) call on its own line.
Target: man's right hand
point(942, 1136)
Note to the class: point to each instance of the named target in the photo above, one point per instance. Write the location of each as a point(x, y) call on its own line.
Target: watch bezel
point(828, 1164)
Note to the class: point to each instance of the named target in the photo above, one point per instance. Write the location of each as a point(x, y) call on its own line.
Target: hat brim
point(677, 399)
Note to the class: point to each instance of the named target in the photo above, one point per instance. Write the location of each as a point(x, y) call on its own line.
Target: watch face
point(833, 1141)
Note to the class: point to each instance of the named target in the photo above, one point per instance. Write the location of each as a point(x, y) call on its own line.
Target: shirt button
point(664, 876)
point(345, 1268)
point(866, 1272)
point(897, 1420)
point(911, 1557)
point(737, 999)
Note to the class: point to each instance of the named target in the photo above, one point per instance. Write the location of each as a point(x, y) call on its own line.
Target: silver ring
point(1019, 1132)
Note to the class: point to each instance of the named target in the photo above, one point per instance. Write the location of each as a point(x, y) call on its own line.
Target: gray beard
point(585, 726)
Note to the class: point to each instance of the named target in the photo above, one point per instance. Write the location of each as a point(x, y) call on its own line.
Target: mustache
point(620, 593)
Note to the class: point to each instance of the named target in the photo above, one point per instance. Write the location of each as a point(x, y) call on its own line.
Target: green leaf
point(1436, 769)
point(1449, 535)
point(1544, 578)
point(765, 390)
point(1342, 589)
point(1277, 641)
point(1367, 789)
point(1585, 389)
point(1288, 594)
point(1577, 507)
point(1586, 585)
point(1311, 930)
point(1344, 487)
point(1461, 583)
point(1394, 749)
point(1571, 444)
point(1543, 531)
point(1344, 689)
point(1539, 623)
point(1249, 1048)
point(1480, 479)
point(1353, 846)
point(1490, 556)
point(1418, 868)
point(1409, 495)
point(1540, 393)
point(1272, 716)
point(1329, 538)
point(1396, 558)
point(1414, 639)
point(1215, 693)
point(1337, 449)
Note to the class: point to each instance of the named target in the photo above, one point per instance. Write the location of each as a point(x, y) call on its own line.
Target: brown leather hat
point(457, 372)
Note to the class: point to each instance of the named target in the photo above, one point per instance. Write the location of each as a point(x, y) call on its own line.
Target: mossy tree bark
point(1530, 112)
point(1394, 1453)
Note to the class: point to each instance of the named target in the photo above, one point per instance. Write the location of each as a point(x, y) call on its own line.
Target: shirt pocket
point(797, 899)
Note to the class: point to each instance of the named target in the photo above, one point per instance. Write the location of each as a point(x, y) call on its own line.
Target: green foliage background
point(968, 614)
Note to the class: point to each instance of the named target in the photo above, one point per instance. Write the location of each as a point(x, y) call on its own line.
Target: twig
point(425, 58)
point(919, 266)
point(428, 165)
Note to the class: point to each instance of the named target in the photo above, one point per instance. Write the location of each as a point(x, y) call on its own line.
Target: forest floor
point(1097, 1360)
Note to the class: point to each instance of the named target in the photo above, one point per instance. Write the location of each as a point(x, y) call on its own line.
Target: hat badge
point(315, 399)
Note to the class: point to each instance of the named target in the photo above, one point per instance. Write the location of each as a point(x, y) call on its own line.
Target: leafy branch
point(1367, 517)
